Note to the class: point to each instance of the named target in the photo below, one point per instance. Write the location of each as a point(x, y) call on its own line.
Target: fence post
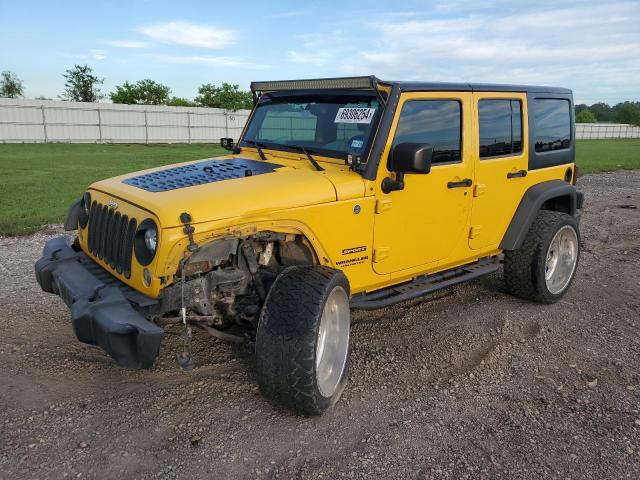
point(99, 124)
point(44, 124)
point(189, 126)
point(146, 128)
point(226, 123)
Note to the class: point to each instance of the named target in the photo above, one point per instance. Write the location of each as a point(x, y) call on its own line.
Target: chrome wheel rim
point(562, 257)
point(332, 345)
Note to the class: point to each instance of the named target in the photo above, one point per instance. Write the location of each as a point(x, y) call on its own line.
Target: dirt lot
point(470, 384)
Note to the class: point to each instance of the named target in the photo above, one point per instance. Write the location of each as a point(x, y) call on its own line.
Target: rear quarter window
point(552, 118)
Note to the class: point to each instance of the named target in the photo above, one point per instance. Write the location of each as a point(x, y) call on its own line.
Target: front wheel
point(543, 268)
point(302, 342)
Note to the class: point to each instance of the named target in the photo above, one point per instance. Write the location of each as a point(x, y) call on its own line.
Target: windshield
point(332, 125)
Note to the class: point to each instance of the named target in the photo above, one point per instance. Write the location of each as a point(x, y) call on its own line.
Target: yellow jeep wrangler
point(340, 194)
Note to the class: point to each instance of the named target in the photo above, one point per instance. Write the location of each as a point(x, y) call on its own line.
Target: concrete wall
point(606, 130)
point(35, 121)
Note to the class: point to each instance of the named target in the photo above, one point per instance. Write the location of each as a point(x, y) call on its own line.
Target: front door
point(501, 165)
point(423, 223)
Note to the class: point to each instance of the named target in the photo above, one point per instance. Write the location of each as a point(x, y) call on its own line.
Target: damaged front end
point(223, 284)
point(220, 286)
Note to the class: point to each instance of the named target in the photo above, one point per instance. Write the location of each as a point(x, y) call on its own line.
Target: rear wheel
point(543, 268)
point(302, 342)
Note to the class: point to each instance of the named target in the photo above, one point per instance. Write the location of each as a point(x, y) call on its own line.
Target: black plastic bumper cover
point(100, 313)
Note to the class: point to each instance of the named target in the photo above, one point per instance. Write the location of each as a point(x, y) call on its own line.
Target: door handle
point(462, 183)
point(519, 173)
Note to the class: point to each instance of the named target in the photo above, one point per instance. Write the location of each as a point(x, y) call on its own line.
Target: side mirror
point(226, 143)
point(407, 158)
point(411, 158)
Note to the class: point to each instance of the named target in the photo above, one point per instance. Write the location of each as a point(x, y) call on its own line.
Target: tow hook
point(184, 358)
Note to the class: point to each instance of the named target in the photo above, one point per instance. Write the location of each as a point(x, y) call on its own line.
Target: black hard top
point(473, 87)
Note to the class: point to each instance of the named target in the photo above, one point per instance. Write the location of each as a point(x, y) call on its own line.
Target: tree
point(10, 85)
point(125, 93)
point(152, 93)
point(180, 102)
point(143, 92)
point(581, 106)
point(627, 112)
point(81, 84)
point(586, 116)
point(228, 96)
point(603, 112)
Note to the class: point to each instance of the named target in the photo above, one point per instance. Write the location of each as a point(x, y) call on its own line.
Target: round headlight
point(145, 243)
point(85, 205)
point(151, 239)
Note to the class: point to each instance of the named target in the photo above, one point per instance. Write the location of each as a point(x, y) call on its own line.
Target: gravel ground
point(471, 383)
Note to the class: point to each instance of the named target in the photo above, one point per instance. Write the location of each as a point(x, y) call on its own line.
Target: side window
point(436, 122)
point(552, 124)
point(500, 127)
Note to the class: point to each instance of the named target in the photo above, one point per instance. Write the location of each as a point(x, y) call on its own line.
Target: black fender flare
point(532, 201)
point(73, 216)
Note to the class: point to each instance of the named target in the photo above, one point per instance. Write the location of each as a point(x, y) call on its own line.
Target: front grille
point(111, 237)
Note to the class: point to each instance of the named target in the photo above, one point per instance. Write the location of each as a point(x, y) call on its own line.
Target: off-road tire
point(524, 268)
point(287, 335)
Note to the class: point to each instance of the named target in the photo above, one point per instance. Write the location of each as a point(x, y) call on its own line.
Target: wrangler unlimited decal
point(352, 261)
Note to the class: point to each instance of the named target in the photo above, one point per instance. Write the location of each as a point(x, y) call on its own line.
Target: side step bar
point(424, 285)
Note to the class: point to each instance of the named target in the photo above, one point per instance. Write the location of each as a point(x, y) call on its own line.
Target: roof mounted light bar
point(356, 83)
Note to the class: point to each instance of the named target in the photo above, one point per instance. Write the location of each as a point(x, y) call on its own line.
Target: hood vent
point(199, 173)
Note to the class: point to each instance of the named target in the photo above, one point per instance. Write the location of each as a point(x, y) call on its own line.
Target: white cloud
point(589, 46)
point(212, 61)
point(318, 48)
point(129, 44)
point(308, 58)
point(99, 54)
point(190, 34)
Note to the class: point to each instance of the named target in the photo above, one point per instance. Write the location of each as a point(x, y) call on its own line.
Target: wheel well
point(558, 204)
point(288, 250)
point(225, 281)
point(552, 195)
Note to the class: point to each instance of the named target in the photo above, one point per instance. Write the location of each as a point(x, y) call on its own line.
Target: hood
point(216, 189)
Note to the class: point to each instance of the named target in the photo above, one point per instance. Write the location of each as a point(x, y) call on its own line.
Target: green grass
point(593, 156)
point(39, 181)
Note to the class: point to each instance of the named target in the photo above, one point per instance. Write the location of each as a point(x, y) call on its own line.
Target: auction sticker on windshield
point(355, 115)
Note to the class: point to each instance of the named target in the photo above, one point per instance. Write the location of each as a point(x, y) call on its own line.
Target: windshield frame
point(319, 153)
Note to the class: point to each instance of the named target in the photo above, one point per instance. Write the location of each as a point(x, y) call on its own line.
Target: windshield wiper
point(259, 146)
point(300, 148)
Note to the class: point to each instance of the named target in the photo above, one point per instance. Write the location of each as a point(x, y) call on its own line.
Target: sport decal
point(349, 251)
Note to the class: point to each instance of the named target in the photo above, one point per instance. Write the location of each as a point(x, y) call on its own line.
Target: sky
point(592, 47)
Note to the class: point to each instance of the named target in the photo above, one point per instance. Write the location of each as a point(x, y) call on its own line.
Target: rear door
point(501, 161)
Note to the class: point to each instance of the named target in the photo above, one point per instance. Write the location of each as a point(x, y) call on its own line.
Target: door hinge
point(474, 231)
point(380, 253)
point(383, 204)
point(479, 189)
